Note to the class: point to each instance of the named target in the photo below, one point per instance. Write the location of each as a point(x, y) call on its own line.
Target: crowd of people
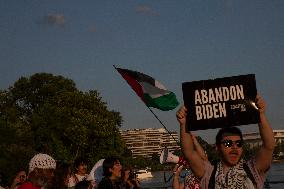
point(45, 172)
point(231, 172)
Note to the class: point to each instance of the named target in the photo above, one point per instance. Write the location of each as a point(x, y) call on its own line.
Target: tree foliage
point(48, 114)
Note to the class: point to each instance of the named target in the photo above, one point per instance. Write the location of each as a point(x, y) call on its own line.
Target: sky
point(172, 41)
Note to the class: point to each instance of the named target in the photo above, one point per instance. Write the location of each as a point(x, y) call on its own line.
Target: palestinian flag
point(151, 92)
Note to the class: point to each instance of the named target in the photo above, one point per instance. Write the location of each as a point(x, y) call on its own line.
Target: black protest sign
point(221, 102)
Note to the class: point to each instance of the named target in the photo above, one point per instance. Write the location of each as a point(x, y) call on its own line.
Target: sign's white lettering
point(209, 111)
point(220, 94)
point(204, 108)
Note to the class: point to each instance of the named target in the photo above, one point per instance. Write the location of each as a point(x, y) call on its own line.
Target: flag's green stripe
point(165, 102)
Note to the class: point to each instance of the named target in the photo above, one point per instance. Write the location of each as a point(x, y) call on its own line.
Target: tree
point(142, 162)
point(48, 114)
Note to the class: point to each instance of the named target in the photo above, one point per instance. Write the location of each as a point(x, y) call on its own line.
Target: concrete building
point(253, 139)
point(146, 142)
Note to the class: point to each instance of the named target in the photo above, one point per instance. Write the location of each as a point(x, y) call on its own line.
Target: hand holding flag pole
point(151, 92)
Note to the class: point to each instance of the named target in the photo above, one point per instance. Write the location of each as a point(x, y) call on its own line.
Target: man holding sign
point(232, 171)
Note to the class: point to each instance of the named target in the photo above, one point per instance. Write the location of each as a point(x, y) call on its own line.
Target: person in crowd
point(84, 184)
point(20, 178)
point(62, 175)
point(41, 172)
point(3, 181)
point(80, 173)
point(232, 171)
point(190, 181)
point(112, 174)
point(129, 179)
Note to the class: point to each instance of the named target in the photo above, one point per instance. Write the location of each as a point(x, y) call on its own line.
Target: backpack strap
point(249, 174)
point(211, 184)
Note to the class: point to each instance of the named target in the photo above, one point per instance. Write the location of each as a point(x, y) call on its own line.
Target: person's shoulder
point(28, 185)
point(104, 182)
point(80, 177)
point(71, 178)
point(71, 181)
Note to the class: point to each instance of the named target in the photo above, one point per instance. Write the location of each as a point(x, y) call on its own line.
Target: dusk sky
point(172, 41)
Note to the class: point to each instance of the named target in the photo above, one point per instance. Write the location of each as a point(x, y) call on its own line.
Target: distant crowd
point(46, 173)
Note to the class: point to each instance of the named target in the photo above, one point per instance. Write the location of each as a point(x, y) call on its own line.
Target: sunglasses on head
point(229, 143)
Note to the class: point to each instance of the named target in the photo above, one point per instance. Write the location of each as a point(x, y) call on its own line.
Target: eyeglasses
point(229, 143)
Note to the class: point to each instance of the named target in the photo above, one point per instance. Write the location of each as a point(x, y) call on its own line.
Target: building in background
point(253, 139)
point(146, 142)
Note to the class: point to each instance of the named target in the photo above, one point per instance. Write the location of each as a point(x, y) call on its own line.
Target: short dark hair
point(80, 160)
point(109, 163)
point(228, 131)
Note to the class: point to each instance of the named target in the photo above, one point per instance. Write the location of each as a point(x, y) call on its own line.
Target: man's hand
point(181, 115)
point(260, 103)
point(177, 170)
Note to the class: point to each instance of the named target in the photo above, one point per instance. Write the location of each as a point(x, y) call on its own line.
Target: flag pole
point(166, 181)
point(162, 124)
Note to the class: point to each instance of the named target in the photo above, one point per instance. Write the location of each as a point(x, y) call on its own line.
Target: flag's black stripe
point(138, 76)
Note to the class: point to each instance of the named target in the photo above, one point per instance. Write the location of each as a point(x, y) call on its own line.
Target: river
point(275, 175)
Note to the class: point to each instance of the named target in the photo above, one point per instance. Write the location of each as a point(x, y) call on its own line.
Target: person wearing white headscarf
point(41, 172)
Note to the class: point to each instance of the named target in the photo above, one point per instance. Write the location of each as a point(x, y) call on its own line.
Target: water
point(157, 181)
point(275, 174)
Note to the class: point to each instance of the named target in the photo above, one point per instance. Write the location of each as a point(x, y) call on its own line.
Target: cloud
point(54, 20)
point(144, 9)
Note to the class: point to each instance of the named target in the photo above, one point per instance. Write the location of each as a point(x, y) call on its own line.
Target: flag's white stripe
point(153, 91)
point(160, 85)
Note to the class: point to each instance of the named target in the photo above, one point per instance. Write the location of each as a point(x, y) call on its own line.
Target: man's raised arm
point(195, 160)
point(264, 156)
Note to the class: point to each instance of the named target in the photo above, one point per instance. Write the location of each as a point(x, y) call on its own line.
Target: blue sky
point(172, 41)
